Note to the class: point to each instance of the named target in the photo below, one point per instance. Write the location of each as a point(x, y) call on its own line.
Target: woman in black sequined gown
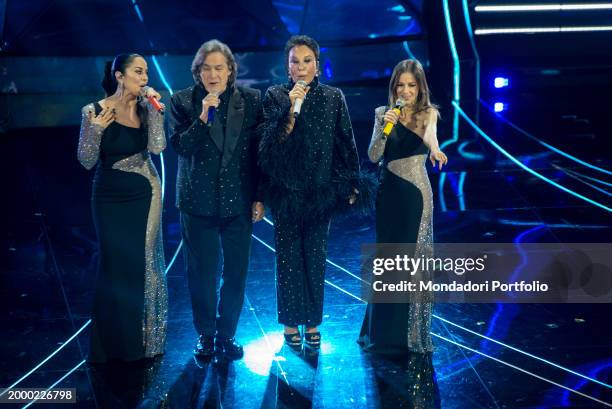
point(117, 134)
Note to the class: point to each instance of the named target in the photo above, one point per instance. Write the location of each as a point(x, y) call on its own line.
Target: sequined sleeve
point(430, 137)
point(378, 142)
point(345, 158)
point(345, 163)
point(157, 136)
point(89, 139)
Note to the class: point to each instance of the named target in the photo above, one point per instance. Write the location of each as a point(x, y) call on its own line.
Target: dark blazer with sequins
point(217, 176)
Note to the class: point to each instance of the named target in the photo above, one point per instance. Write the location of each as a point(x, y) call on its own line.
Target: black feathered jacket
point(314, 170)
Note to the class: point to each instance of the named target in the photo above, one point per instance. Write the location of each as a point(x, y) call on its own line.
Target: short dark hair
point(209, 47)
point(297, 40)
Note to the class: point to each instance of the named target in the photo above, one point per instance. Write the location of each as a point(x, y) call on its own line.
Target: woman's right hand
point(104, 118)
point(298, 92)
point(391, 116)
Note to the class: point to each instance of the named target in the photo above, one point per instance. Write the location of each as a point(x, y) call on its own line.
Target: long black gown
point(404, 210)
point(130, 305)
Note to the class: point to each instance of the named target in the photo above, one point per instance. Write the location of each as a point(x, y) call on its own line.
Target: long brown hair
point(415, 68)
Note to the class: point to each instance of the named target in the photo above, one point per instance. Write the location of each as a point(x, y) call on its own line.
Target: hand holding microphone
point(153, 97)
point(392, 116)
point(209, 107)
point(297, 95)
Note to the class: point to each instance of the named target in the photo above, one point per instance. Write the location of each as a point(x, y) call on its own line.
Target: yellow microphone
point(399, 104)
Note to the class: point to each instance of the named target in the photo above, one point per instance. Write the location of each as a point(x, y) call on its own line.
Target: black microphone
point(211, 112)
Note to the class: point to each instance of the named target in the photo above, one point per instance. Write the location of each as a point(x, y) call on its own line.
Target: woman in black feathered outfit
point(312, 168)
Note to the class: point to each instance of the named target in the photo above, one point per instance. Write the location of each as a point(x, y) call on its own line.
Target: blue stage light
point(542, 7)
point(500, 82)
point(499, 107)
point(397, 9)
point(535, 30)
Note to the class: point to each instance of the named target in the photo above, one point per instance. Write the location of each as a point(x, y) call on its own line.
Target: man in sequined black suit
point(217, 191)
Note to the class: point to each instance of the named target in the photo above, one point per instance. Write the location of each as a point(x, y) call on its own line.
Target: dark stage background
point(555, 122)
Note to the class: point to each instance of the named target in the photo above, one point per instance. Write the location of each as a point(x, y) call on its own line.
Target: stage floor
point(45, 310)
point(533, 356)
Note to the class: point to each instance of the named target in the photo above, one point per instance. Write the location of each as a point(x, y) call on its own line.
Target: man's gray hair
point(212, 46)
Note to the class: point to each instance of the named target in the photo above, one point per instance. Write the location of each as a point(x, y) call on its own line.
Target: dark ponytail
point(109, 83)
point(119, 63)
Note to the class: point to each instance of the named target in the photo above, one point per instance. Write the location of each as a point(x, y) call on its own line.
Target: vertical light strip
point(456, 73)
point(168, 87)
point(161, 75)
point(453, 48)
point(468, 27)
point(137, 10)
point(161, 154)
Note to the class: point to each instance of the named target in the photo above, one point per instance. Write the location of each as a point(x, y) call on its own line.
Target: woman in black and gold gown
point(404, 205)
point(117, 133)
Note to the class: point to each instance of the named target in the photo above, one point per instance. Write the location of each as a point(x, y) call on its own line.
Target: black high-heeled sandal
point(313, 339)
point(293, 340)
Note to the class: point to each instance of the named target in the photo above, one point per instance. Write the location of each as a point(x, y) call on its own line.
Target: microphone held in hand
point(154, 102)
point(399, 104)
point(297, 107)
point(211, 112)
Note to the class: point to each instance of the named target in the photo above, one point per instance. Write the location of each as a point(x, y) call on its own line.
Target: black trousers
point(206, 239)
point(301, 249)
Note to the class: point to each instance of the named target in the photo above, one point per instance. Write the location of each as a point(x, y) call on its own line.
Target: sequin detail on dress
point(156, 296)
point(89, 139)
point(412, 169)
